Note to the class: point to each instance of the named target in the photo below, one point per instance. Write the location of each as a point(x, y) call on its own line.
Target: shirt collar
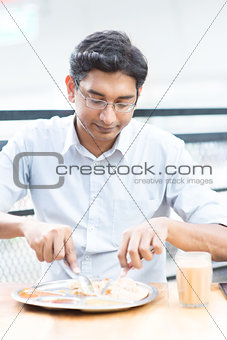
point(121, 144)
point(71, 137)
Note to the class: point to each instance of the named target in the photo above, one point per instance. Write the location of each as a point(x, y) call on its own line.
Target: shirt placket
point(92, 223)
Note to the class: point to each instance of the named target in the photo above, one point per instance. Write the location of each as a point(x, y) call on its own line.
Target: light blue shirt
point(101, 206)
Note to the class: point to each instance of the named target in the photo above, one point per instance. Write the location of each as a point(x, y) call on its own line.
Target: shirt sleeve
point(10, 192)
point(193, 202)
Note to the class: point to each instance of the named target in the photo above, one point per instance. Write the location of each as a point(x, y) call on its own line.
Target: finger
point(145, 246)
point(158, 244)
point(124, 270)
point(39, 252)
point(59, 247)
point(133, 249)
point(70, 254)
point(48, 248)
point(122, 251)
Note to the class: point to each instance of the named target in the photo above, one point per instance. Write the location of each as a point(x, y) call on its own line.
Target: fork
point(123, 273)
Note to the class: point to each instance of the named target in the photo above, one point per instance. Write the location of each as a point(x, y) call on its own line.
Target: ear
point(139, 90)
point(70, 88)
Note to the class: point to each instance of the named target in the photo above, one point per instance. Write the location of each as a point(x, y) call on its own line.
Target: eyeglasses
point(97, 104)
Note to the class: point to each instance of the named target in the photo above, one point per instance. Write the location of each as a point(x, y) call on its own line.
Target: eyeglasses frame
point(105, 102)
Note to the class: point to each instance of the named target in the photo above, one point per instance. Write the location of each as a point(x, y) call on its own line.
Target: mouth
point(105, 129)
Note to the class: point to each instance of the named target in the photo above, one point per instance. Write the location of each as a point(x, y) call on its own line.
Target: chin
point(106, 137)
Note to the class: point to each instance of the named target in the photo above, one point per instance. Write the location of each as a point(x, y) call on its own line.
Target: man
point(103, 217)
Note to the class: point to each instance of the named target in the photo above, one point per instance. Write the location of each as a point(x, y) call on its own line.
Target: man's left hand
point(137, 241)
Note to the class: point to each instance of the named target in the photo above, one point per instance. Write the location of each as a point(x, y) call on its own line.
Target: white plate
point(85, 304)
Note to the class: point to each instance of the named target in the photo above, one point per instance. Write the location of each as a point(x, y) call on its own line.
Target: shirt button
point(87, 257)
point(91, 228)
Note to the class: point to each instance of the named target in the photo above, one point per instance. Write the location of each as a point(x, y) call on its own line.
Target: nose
point(108, 115)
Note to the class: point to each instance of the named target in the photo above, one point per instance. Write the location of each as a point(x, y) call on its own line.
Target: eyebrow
point(102, 95)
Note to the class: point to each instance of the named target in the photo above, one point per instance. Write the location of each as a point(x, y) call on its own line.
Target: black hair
point(108, 51)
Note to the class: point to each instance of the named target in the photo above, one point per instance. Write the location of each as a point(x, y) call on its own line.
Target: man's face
point(103, 124)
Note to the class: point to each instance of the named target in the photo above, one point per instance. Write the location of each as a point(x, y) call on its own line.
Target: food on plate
point(120, 294)
point(124, 289)
point(60, 300)
point(29, 293)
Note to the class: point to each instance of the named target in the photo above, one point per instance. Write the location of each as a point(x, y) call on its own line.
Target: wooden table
point(161, 319)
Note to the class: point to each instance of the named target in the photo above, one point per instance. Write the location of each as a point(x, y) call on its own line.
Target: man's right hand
point(51, 242)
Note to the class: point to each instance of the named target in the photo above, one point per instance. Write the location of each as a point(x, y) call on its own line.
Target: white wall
point(166, 31)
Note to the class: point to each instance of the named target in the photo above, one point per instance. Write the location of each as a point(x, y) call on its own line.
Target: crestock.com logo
point(16, 170)
point(168, 172)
